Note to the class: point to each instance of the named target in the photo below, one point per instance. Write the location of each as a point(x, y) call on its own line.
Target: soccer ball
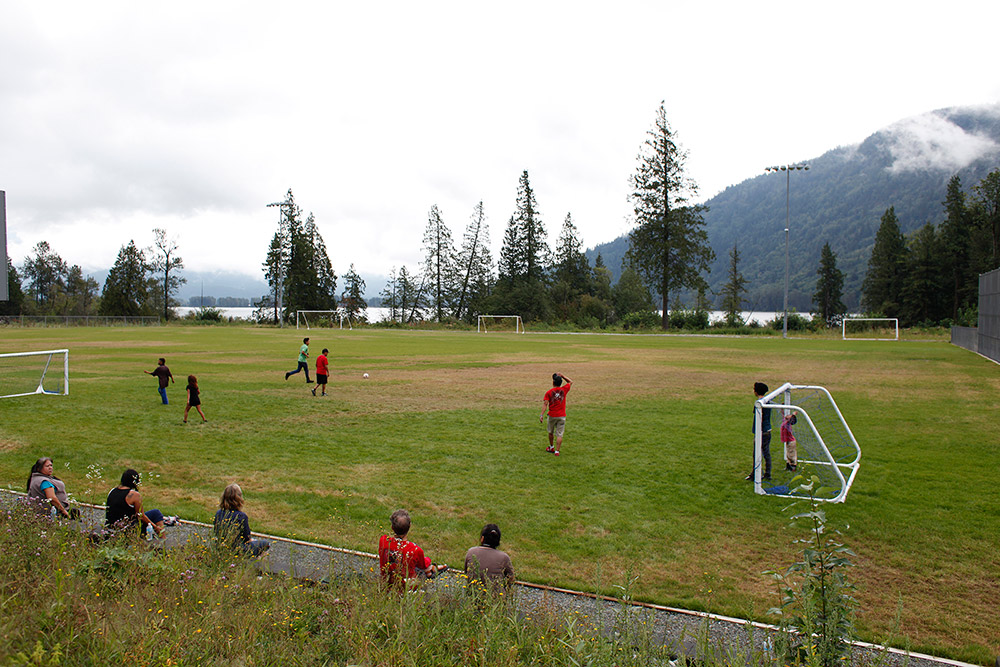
point(365, 376)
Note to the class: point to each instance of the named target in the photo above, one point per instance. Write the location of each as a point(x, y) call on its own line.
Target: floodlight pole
point(788, 188)
point(281, 278)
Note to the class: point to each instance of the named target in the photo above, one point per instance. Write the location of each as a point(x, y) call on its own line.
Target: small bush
point(641, 319)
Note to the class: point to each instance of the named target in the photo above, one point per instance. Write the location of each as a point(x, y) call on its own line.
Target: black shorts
point(320, 379)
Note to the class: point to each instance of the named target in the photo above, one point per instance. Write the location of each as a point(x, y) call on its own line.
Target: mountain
point(840, 201)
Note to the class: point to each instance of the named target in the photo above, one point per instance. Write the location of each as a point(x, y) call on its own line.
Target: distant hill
point(840, 200)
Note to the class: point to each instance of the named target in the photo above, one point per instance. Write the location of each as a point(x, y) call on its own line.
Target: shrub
point(641, 319)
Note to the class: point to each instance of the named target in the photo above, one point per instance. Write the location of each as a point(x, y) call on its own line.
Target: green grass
point(650, 480)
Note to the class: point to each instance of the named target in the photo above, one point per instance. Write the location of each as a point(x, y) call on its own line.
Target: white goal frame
point(331, 313)
point(844, 322)
point(843, 464)
point(481, 323)
point(41, 380)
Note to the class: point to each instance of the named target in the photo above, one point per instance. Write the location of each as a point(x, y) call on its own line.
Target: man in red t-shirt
point(400, 559)
point(555, 403)
point(322, 371)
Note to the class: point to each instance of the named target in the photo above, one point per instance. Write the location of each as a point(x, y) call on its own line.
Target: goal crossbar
point(23, 381)
point(827, 446)
point(894, 325)
point(302, 319)
point(483, 319)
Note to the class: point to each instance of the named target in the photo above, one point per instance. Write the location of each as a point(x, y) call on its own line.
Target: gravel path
point(680, 629)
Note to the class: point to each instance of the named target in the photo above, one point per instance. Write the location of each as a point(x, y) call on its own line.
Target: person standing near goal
point(554, 402)
point(760, 390)
point(163, 374)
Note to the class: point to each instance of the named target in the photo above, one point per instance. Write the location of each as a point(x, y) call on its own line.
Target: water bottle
point(149, 531)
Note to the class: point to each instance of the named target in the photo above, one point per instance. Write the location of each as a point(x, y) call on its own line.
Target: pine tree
point(389, 298)
point(45, 273)
point(439, 263)
point(352, 301)
point(880, 292)
point(630, 294)
point(987, 205)
point(474, 262)
point(956, 240)
point(81, 293)
point(511, 255)
point(922, 296)
point(669, 247)
point(325, 295)
point(571, 265)
point(531, 232)
point(126, 288)
point(165, 261)
point(829, 288)
point(734, 290)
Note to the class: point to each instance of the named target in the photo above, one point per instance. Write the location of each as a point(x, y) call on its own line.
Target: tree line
point(142, 282)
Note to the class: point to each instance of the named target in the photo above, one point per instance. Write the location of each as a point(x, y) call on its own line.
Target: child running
point(194, 399)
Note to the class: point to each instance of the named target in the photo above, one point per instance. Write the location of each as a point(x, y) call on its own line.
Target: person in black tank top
point(124, 508)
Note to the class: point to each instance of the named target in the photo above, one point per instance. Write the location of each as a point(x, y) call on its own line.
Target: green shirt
point(304, 353)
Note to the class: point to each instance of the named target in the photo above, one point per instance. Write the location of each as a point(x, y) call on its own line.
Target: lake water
point(378, 314)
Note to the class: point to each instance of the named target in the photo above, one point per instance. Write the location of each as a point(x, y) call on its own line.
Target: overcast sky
point(118, 117)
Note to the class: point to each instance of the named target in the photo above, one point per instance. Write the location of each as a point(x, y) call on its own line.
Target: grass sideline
point(650, 480)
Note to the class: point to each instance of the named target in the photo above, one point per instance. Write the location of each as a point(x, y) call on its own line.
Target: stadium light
point(281, 278)
point(788, 169)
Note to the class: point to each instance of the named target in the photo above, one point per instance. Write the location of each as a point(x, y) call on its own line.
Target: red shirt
point(556, 398)
point(399, 559)
point(322, 365)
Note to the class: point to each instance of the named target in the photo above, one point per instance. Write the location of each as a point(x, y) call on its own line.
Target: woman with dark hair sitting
point(124, 512)
point(232, 525)
point(486, 564)
point(46, 491)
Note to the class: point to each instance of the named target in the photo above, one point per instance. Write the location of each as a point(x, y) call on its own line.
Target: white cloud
point(933, 142)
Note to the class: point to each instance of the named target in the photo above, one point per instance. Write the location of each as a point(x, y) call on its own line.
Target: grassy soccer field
point(649, 484)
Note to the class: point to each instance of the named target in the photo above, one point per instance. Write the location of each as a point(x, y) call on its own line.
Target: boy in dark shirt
point(163, 374)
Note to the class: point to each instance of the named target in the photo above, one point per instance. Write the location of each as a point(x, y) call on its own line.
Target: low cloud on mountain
point(935, 142)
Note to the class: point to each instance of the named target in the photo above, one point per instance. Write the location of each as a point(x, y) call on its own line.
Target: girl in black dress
point(194, 400)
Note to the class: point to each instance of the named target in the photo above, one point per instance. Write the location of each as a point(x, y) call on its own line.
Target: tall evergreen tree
point(734, 290)
point(571, 265)
point(474, 262)
point(880, 292)
point(956, 241)
point(45, 273)
point(389, 296)
point(439, 263)
point(126, 288)
point(81, 293)
point(630, 294)
point(829, 288)
point(511, 255)
point(987, 204)
point(165, 261)
point(669, 247)
point(352, 301)
point(325, 294)
point(531, 232)
point(923, 297)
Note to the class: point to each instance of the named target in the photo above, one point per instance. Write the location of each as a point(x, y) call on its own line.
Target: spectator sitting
point(232, 526)
point(45, 489)
point(400, 559)
point(124, 508)
point(486, 564)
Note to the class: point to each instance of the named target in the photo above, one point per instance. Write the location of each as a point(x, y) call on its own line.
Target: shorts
point(556, 426)
point(320, 379)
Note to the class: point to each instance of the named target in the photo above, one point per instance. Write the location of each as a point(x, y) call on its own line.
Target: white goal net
point(26, 373)
point(315, 319)
point(824, 444)
point(870, 328)
point(498, 323)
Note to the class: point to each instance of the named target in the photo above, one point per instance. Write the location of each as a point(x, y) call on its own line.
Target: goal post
point(307, 319)
point(826, 446)
point(870, 328)
point(27, 373)
point(497, 323)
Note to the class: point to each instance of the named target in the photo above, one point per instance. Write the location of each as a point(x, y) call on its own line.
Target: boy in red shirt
point(400, 559)
point(322, 371)
point(555, 403)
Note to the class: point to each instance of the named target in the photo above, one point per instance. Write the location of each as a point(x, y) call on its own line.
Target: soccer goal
point(496, 323)
point(870, 328)
point(307, 319)
point(826, 446)
point(26, 373)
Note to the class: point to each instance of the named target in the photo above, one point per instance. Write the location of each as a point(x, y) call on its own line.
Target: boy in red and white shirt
point(400, 559)
point(554, 402)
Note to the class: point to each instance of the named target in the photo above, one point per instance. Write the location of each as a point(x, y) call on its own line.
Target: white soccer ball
point(365, 376)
